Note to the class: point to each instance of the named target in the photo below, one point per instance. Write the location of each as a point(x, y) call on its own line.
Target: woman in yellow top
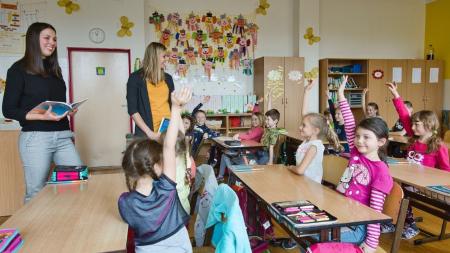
point(148, 92)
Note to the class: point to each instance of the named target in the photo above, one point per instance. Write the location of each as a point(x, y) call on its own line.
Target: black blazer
point(138, 100)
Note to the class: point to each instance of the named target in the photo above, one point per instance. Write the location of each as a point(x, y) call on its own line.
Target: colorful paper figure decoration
point(192, 22)
point(173, 22)
point(182, 39)
point(295, 75)
point(209, 21)
point(216, 36)
point(125, 28)
point(206, 51)
point(234, 59)
point(263, 6)
point(313, 74)
point(247, 65)
point(275, 82)
point(173, 56)
point(166, 35)
point(225, 23)
point(378, 74)
point(182, 68)
point(220, 55)
point(199, 37)
point(243, 44)
point(191, 56)
point(208, 66)
point(309, 35)
point(229, 40)
point(156, 19)
point(70, 6)
point(239, 25)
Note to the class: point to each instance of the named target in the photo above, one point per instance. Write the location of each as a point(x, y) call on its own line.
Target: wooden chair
point(333, 168)
point(447, 136)
point(395, 206)
point(277, 147)
point(196, 152)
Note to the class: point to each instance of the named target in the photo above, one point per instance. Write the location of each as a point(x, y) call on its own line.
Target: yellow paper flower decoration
point(313, 74)
point(275, 82)
point(309, 35)
point(125, 28)
point(70, 6)
point(263, 5)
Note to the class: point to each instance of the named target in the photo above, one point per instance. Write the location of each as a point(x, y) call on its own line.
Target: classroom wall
point(436, 33)
point(372, 29)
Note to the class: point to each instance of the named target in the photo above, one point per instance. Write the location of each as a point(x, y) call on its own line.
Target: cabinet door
point(415, 84)
point(377, 89)
point(293, 93)
point(275, 64)
point(434, 91)
point(396, 71)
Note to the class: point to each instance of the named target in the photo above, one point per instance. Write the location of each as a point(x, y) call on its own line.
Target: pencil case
point(69, 173)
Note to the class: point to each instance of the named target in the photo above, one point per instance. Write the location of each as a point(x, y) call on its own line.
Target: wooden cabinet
point(279, 74)
point(12, 186)
point(419, 81)
point(225, 123)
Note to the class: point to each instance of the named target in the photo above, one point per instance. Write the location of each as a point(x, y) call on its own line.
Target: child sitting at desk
point(338, 122)
point(201, 131)
point(152, 208)
point(366, 179)
point(426, 148)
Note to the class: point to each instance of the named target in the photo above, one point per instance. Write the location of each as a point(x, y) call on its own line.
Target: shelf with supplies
point(229, 123)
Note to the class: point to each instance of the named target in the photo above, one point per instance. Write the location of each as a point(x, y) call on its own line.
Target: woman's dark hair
point(374, 105)
point(381, 130)
point(139, 160)
point(32, 60)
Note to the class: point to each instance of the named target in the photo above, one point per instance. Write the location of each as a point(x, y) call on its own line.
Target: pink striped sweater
point(365, 181)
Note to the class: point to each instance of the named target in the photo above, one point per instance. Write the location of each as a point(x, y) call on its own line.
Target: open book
point(58, 108)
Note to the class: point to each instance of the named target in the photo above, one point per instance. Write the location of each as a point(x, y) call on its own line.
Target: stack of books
point(299, 214)
point(10, 240)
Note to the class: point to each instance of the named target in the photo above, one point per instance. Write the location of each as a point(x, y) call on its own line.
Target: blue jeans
point(354, 234)
point(261, 157)
point(38, 150)
point(226, 161)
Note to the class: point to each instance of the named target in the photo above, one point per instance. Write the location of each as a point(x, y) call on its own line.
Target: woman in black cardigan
point(150, 87)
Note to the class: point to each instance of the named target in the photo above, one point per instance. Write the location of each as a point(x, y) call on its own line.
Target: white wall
point(372, 29)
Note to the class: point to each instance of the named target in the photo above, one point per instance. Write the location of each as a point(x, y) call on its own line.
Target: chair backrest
point(197, 151)
point(276, 149)
point(447, 136)
point(393, 202)
point(333, 168)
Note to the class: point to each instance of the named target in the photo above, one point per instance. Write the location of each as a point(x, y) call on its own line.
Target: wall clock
point(97, 35)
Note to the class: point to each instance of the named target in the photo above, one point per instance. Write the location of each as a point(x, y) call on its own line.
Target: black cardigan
point(24, 91)
point(138, 100)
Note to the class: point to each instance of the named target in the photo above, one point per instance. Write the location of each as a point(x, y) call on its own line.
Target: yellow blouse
point(159, 103)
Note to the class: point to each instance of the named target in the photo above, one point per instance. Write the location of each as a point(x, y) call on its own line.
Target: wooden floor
point(430, 223)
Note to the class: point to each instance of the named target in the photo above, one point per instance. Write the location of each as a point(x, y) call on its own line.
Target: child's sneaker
point(288, 244)
point(409, 233)
point(387, 228)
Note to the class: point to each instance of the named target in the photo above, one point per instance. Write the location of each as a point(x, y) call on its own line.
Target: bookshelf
point(332, 71)
point(230, 123)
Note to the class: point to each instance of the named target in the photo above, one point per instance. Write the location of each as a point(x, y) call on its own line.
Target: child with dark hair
point(338, 122)
point(372, 110)
point(152, 208)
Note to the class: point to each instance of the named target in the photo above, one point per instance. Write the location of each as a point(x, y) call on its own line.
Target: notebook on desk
point(245, 168)
point(443, 189)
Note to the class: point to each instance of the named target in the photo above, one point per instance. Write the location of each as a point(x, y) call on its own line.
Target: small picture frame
point(100, 71)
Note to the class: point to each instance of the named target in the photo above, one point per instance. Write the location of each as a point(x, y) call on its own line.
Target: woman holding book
point(148, 92)
point(45, 136)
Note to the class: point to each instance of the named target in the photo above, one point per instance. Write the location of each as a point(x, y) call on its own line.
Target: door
point(377, 89)
point(101, 123)
point(274, 80)
point(396, 71)
point(293, 94)
point(434, 86)
point(416, 84)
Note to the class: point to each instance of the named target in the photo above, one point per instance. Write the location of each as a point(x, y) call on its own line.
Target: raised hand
point(393, 89)
point(309, 85)
point(206, 99)
point(182, 96)
point(342, 88)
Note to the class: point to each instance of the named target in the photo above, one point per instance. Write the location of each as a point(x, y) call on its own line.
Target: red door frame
point(87, 49)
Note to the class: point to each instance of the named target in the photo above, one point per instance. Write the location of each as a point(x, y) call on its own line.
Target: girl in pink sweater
point(366, 179)
point(426, 148)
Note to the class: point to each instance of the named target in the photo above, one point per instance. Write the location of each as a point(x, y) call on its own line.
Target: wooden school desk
point(426, 199)
point(81, 217)
point(275, 183)
point(245, 144)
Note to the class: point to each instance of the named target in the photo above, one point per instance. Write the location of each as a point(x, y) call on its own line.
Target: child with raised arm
point(372, 109)
point(426, 146)
point(338, 122)
point(152, 208)
point(366, 179)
